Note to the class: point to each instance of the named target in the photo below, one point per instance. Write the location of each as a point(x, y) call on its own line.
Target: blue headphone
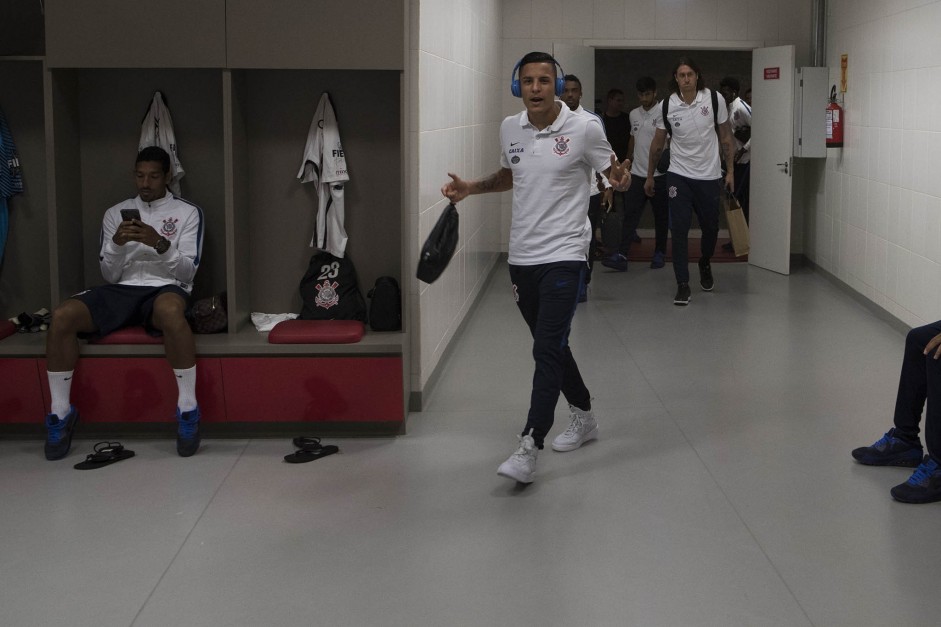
point(517, 91)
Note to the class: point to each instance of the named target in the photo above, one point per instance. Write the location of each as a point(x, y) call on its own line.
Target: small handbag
point(209, 315)
point(439, 246)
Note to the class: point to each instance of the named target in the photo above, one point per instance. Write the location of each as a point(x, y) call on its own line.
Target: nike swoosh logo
point(513, 143)
point(67, 379)
point(561, 283)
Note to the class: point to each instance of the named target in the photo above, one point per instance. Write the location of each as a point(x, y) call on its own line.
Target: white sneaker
point(582, 429)
point(522, 464)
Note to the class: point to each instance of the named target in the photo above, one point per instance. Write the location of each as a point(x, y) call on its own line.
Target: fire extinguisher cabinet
point(811, 92)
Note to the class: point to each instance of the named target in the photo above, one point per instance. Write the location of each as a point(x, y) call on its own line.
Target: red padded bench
point(317, 332)
point(7, 329)
point(128, 335)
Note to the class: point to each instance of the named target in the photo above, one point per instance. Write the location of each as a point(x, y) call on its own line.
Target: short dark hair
point(646, 83)
point(731, 82)
point(539, 57)
point(614, 92)
point(574, 79)
point(700, 81)
point(155, 153)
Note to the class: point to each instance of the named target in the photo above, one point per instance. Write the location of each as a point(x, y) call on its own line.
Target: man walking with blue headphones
point(547, 153)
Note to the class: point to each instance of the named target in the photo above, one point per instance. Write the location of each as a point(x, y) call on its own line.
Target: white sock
point(186, 382)
point(60, 389)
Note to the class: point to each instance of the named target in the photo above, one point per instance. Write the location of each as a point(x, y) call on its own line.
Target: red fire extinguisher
point(834, 122)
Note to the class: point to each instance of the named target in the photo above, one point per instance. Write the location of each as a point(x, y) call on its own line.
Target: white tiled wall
point(877, 226)
point(454, 115)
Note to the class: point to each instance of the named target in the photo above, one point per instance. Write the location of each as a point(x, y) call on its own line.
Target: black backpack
point(330, 291)
point(385, 305)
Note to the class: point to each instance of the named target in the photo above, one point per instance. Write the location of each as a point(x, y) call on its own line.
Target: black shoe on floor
point(924, 486)
point(891, 450)
point(705, 276)
point(682, 294)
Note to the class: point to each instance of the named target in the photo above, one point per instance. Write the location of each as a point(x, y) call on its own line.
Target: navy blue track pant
point(686, 196)
point(635, 201)
point(546, 296)
point(919, 381)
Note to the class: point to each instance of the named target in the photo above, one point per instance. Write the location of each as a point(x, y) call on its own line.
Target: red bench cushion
point(317, 332)
point(7, 329)
point(128, 335)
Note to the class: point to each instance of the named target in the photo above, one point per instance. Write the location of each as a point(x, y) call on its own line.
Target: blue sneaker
point(617, 261)
point(187, 433)
point(59, 434)
point(658, 260)
point(924, 486)
point(891, 450)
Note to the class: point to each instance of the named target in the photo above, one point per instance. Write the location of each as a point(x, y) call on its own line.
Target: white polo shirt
point(643, 127)
point(740, 117)
point(549, 169)
point(694, 148)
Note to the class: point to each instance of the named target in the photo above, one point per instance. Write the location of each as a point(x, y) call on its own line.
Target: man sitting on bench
point(151, 246)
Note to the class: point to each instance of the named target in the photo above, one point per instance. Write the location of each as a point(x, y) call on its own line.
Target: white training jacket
point(157, 130)
point(178, 220)
point(324, 164)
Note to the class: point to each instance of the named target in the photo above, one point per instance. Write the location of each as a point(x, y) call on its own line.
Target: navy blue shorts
point(115, 306)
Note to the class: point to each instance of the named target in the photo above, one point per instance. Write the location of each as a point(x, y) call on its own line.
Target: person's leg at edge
point(915, 383)
point(933, 409)
point(681, 217)
point(924, 486)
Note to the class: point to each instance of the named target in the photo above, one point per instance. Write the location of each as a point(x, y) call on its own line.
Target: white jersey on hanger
point(157, 130)
point(324, 164)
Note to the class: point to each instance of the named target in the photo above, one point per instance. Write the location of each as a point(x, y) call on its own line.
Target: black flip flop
point(309, 449)
point(106, 453)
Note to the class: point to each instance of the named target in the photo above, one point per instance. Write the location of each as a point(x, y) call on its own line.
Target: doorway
point(620, 68)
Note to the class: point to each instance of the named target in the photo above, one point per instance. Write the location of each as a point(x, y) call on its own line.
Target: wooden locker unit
point(242, 81)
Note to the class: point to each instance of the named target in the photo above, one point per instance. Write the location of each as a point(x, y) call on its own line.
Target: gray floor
point(720, 493)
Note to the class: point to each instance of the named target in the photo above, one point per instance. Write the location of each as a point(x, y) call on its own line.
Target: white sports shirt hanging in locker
point(324, 164)
point(157, 130)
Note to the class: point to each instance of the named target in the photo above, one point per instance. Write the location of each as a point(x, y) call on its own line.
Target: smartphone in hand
point(130, 214)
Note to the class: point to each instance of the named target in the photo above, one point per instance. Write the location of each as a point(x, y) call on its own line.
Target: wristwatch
point(162, 245)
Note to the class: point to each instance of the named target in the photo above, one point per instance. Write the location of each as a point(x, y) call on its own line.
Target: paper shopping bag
point(738, 227)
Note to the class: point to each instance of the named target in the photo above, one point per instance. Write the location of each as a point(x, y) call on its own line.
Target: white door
point(771, 161)
point(580, 61)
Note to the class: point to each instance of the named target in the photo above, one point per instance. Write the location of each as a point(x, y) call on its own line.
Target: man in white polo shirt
point(600, 193)
point(740, 123)
point(547, 152)
point(694, 179)
point(643, 126)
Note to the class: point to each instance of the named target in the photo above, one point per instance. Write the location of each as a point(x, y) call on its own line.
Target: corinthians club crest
point(327, 296)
